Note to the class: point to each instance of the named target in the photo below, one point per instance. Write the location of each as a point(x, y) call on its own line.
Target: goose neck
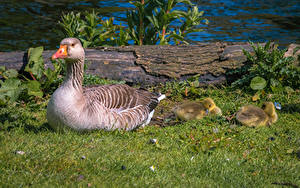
point(74, 75)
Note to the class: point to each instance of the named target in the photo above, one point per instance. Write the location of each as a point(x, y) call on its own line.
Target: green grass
point(207, 153)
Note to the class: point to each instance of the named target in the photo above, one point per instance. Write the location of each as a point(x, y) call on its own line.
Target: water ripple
point(26, 23)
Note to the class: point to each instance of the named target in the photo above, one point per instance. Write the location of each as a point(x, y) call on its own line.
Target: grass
point(212, 152)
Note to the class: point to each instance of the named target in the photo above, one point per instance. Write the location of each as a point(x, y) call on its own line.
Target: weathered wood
point(153, 64)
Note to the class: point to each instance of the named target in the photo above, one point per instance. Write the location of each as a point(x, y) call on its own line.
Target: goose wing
point(121, 97)
point(121, 106)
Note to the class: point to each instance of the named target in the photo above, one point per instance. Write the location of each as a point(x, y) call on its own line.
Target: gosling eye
point(263, 106)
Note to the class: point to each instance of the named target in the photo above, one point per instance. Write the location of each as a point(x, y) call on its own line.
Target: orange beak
point(61, 52)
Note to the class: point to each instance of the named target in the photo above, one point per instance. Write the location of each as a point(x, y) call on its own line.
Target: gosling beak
point(61, 52)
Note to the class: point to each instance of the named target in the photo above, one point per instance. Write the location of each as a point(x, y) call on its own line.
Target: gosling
point(253, 116)
point(197, 110)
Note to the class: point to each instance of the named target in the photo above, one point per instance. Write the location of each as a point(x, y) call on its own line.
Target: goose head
point(70, 49)
point(209, 104)
point(269, 109)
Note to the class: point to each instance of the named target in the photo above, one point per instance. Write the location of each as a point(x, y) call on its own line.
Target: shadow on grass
point(290, 108)
point(16, 118)
point(45, 127)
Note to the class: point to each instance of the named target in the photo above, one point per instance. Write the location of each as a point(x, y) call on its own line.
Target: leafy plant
point(139, 27)
point(149, 23)
point(269, 70)
point(92, 30)
point(163, 19)
point(10, 88)
point(41, 80)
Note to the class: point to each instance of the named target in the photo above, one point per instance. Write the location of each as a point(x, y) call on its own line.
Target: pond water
point(28, 23)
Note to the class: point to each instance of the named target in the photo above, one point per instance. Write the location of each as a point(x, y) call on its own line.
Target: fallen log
point(151, 65)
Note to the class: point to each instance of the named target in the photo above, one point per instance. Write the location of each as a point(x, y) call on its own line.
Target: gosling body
point(197, 110)
point(253, 116)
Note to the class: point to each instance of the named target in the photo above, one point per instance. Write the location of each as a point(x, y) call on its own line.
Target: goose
point(106, 107)
point(253, 116)
point(197, 110)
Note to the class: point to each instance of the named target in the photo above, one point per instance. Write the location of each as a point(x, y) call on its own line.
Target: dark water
point(27, 23)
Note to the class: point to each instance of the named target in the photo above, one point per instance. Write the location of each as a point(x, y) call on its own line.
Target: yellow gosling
point(197, 110)
point(253, 116)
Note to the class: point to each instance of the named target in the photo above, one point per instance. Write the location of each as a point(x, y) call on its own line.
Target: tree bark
point(151, 65)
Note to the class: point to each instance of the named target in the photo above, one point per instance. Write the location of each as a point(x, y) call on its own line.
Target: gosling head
point(269, 108)
point(70, 49)
point(209, 104)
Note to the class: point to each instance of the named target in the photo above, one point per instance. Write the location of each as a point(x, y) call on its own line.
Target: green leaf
point(52, 75)
point(2, 69)
point(35, 54)
point(85, 43)
point(258, 83)
point(188, 2)
point(35, 62)
point(10, 89)
point(196, 83)
point(275, 83)
point(34, 88)
point(206, 21)
point(10, 73)
point(178, 37)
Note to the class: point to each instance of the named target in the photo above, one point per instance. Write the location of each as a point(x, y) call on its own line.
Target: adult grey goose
point(99, 107)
